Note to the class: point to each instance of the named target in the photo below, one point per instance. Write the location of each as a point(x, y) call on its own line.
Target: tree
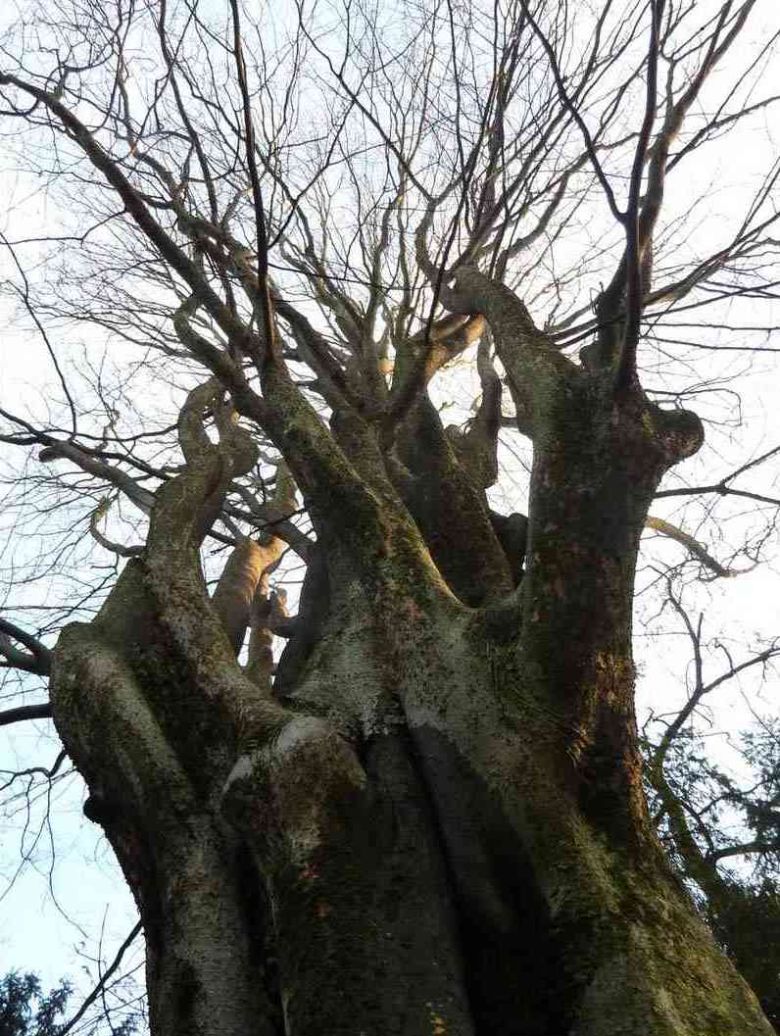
point(20, 996)
point(428, 815)
point(26, 1011)
point(691, 793)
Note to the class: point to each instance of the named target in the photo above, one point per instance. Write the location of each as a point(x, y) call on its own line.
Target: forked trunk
point(455, 869)
point(434, 821)
point(447, 877)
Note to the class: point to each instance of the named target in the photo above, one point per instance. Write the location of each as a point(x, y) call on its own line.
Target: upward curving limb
point(537, 371)
point(621, 304)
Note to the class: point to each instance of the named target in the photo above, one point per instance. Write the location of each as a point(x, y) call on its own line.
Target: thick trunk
point(446, 875)
point(435, 822)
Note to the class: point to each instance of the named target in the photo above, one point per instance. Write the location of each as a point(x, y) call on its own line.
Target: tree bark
point(444, 874)
point(435, 823)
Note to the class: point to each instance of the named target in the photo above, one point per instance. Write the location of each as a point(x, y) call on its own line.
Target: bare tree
point(298, 230)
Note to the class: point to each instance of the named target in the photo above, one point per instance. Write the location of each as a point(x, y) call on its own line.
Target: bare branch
point(23, 713)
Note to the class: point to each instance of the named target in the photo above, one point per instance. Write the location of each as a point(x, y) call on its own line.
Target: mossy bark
point(442, 873)
point(434, 822)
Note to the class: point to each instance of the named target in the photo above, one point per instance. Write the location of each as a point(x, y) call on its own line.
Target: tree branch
point(92, 997)
point(25, 712)
point(692, 545)
point(39, 659)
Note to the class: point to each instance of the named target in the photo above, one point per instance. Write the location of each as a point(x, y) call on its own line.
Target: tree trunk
point(448, 875)
point(435, 823)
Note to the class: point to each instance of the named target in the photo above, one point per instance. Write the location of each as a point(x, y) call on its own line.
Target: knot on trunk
point(291, 790)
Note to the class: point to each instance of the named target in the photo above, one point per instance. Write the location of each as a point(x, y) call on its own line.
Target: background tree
point(708, 818)
point(25, 1010)
point(299, 232)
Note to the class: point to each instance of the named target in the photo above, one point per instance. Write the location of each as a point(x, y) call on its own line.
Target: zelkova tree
point(427, 814)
